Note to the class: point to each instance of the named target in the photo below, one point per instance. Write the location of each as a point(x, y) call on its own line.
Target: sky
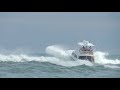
point(37, 30)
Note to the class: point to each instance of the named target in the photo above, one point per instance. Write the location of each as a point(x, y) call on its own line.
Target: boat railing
point(87, 52)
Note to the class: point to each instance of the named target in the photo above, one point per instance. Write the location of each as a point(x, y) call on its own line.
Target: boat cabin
point(84, 51)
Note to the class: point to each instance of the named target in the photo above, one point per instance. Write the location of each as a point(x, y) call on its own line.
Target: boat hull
point(89, 58)
point(83, 57)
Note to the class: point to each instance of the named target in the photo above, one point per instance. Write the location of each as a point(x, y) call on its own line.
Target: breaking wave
point(60, 56)
point(100, 57)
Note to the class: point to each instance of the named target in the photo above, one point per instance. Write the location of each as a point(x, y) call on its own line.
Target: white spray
point(59, 56)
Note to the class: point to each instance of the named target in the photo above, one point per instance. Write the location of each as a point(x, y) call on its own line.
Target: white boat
point(84, 51)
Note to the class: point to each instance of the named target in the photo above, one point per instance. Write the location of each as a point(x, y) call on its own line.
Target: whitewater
point(58, 57)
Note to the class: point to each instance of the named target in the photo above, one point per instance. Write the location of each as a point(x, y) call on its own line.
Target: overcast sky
point(37, 30)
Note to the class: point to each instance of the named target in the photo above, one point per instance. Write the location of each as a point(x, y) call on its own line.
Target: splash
point(57, 51)
point(64, 56)
point(60, 56)
point(53, 60)
point(100, 58)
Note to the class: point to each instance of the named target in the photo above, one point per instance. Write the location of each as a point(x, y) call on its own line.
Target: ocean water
point(56, 63)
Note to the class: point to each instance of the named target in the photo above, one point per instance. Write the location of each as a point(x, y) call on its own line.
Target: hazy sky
point(37, 30)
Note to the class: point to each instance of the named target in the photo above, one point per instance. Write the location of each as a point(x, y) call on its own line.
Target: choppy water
point(56, 63)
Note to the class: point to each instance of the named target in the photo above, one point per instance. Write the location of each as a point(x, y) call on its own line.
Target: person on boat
point(91, 52)
point(90, 48)
point(85, 48)
point(82, 49)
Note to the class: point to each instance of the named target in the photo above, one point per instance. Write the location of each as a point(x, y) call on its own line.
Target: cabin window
point(82, 57)
point(88, 57)
point(85, 57)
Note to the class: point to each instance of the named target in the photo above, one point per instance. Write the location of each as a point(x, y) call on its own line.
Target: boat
point(84, 51)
